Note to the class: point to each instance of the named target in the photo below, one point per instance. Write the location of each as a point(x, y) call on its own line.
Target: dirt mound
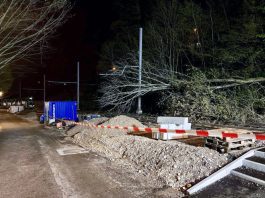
point(123, 120)
point(77, 129)
point(74, 130)
point(171, 163)
point(177, 164)
point(98, 121)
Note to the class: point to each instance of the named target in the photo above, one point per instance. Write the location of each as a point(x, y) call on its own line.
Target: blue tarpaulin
point(63, 110)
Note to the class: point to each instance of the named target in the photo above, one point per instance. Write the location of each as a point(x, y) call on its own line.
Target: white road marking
point(61, 180)
point(71, 150)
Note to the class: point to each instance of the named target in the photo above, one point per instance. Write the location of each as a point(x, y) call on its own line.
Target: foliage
point(205, 57)
point(201, 103)
point(26, 26)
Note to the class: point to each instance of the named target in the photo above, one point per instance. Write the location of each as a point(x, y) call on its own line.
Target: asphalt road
point(232, 187)
point(30, 166)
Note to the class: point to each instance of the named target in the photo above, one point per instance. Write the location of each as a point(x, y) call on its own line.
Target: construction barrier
point(201, 133)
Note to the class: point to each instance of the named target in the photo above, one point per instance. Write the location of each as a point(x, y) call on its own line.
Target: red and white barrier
point(201, 133)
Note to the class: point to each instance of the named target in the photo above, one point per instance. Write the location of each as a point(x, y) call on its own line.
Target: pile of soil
point(98, 121)
point(123, 120)
point(164, 163)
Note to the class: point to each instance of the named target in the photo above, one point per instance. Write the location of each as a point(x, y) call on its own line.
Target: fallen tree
point(197, 63)
point(197, 94)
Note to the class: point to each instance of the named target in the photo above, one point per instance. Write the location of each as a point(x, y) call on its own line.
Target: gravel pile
point(123, 120)
point(259, 143)
point(77, 129)
point(74, 130)
point(98, 121)
point(171, 163)
point(176, 163)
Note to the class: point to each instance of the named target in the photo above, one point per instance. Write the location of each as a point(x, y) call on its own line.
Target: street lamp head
point(114, 68)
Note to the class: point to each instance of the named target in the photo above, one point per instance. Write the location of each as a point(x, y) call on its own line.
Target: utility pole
point(139, 108)
point(20, 89)
point(78, 85)
point(44, 93)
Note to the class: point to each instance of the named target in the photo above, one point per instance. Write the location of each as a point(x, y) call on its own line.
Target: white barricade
point(16, 109)
point(172, 123)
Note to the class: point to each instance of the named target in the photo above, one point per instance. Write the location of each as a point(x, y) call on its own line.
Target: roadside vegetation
point(26, 27)
point(204, 60)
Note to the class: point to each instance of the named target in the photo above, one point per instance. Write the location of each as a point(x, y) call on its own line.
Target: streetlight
point(1, 95)
point(114, 68)
point(139, 108)
point(117, 71)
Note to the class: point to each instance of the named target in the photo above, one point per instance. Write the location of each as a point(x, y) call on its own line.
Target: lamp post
point(44, 98)
point(78, 85)
point(1, 95)
point(139, 108)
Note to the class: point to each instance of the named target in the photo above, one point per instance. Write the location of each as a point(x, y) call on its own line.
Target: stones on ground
point(169, 163)
point(73, 131)
point(77, 129)
point(123, 120)
point(98, 121)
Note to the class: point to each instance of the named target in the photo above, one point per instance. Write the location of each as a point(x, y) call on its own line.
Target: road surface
point(30, 166)
point(232, 187)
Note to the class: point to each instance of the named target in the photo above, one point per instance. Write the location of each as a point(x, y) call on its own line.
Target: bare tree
point(121, 87)
point(194, 94)
point(26, 25)
point(175, 53)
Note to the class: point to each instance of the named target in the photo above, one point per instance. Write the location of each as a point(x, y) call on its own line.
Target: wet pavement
point(232, 187)
point(31, 167)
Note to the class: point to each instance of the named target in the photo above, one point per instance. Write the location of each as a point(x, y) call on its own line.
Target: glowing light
point(1, 93)
point(195, 30)
point(114, 68)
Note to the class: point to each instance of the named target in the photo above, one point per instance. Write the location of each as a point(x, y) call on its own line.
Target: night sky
point(79, 39)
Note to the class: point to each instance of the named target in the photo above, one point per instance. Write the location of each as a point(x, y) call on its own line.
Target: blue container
point(66, 110)
point(42, 118)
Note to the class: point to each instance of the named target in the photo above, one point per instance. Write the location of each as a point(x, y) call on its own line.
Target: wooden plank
point(222, 145)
